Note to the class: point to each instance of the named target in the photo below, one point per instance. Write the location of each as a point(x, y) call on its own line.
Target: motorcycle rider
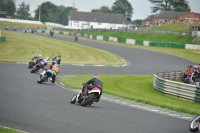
point(44, 62)
point(38, 58)
point(54, 67)
point(76, 36)
point(96, 82)
point(57, 59)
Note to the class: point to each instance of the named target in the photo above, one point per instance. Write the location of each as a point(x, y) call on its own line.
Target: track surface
point(45, 108)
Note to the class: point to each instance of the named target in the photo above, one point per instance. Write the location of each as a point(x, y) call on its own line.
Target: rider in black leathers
point(57, 59)
point(96, 82)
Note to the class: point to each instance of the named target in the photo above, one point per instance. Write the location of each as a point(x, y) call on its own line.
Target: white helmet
point(47, 58)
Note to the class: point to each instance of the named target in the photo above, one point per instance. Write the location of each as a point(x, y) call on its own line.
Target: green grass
point(192, 55)
point(168, 27)
point(21, 47)
point(137, 88)
point(168, 37)
point(12, 25)
point(7, 130)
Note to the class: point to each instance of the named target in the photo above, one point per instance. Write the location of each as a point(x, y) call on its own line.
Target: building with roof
point(148, 21)
point(96, 20)
point(173, 17)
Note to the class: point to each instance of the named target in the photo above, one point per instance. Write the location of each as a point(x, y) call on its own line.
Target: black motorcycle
point(51, 33)
point(36, 68)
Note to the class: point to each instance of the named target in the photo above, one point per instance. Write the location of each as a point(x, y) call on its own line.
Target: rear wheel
point(34, 70)
point(89, 100)
point(73, 100)
point(195, 123)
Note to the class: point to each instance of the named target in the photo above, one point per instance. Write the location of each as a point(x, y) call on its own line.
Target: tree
point(8, 7)
point(181, 6)
point(23, 11)
point(169, 5)
point(103, 9)
point(137, 22)
point(64, 14)
point(48, 12)
point(123, 7)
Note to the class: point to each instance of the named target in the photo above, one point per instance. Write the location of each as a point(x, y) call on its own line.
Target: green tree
point(23, 11)
point(137, 22)
point(123, 7)
point(103, 9)
point(169, 5)
point(47, 12)
point(181, 6)
point(64, 14)
point(7, 6)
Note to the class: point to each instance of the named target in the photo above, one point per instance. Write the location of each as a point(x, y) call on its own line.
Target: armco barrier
point(122, 40)
point(187, 91)
point(166, 44)
point(2, 39)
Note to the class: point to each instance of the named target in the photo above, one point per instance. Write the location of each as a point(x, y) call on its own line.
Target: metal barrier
point(162, 82)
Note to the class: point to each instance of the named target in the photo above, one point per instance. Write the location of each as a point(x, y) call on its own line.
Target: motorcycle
point(37, 67)
point(195, 124)
point(76, 38)
point(45, 76)
point(87, 97)
point(32, 31)
point(32, 63)
point(51, 33)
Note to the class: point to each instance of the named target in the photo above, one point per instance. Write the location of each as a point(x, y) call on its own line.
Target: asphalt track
point(45, 108)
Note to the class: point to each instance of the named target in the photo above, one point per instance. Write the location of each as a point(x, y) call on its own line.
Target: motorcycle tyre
point(34, 70)
point(43, 79)
point(194, 129)
point(90, 99)
point(73, 100)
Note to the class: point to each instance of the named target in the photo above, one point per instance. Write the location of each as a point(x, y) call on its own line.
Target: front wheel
point(89, 100)
point(195, 124)
point(73, 100)
point(43, 79)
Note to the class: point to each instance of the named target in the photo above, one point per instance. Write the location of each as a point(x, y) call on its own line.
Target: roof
point(98, 17)
point(150, 18)
point(171, 14)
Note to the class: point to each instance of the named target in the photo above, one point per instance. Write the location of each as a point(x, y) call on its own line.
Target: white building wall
point(94, 25)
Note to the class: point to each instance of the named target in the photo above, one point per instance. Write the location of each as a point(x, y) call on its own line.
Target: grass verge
point(11, 25)
point(8, 130)
point(168, 27)
point(21, 47)
point(137, 88)
point(168, 37)
point(192, 55)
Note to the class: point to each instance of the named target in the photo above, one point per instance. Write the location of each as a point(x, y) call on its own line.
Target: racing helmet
point(47, 58)
point(96, 76)
point(39, 56)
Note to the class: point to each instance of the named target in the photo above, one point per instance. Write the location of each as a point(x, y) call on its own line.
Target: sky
point(142, 8)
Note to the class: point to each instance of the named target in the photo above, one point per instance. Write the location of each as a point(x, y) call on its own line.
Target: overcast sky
point(141, 7)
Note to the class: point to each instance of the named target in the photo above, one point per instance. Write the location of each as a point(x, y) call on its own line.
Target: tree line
point(49, 12)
